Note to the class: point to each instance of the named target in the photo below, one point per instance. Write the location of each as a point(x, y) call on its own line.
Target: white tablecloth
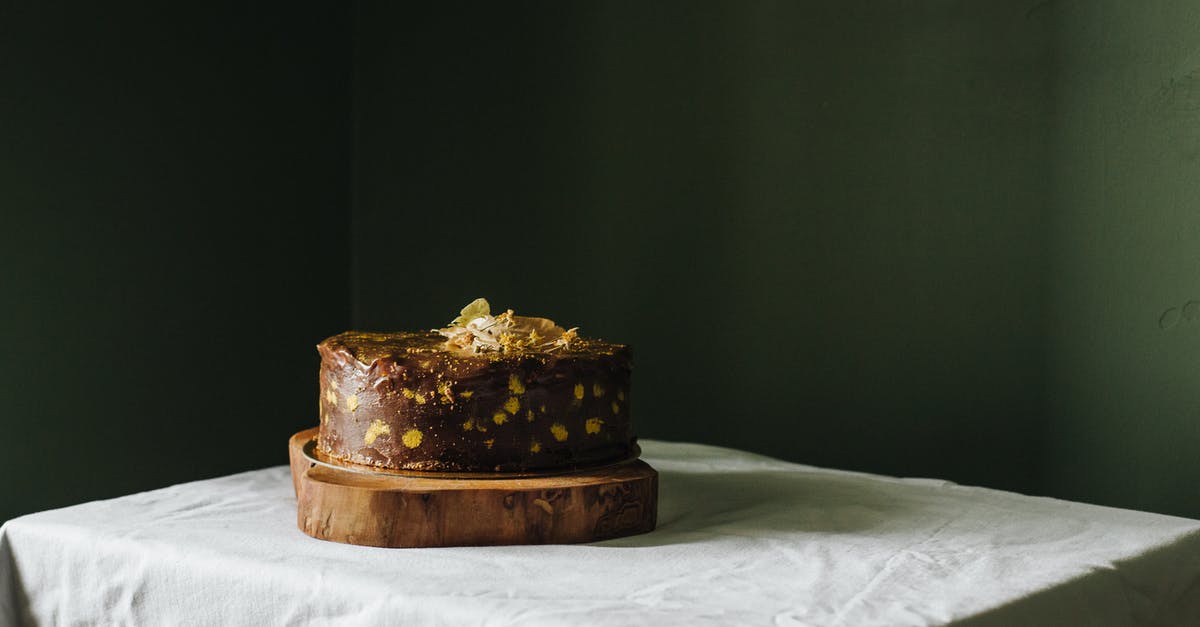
point(741, 539)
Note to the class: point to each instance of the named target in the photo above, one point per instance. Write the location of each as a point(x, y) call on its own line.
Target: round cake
point(486, 394)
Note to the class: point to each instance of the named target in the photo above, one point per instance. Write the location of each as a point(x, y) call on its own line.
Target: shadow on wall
point(167, 255)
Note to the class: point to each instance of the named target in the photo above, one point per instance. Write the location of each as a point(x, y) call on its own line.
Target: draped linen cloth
point(742, 539)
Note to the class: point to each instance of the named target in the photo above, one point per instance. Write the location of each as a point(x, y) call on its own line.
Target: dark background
point(937, 238)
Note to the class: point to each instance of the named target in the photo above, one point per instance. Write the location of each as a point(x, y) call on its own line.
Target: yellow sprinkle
point(331, 396)
point(467, 393)
point(542, 409)
point(529, 415)
point(446, 392)
point(597, 390)
point(579, 391)
point(620, 395)
point(592, 426)
point(513, 405)
point(500, 418)
point(559, 432)
point(408, 393)
point(469, 424)
point(352, 402)
point(412, 438)
point(376, 429)
point(616, 407)
point(481, 426)
point(489, 442)
point(515, 384)
point(535, 447)
point(419, 398)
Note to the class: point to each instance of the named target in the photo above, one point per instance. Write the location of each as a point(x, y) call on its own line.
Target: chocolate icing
point(408, 401)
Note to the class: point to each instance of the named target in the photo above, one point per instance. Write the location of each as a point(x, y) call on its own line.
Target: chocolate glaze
point(407, 401)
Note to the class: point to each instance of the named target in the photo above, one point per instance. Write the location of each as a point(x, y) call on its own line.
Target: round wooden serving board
point(375, 509)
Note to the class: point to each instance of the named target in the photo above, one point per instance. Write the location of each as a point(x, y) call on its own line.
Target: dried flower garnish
point(568, 336)
point(478, 330)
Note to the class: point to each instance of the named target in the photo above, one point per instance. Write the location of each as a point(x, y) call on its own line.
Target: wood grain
point(394, 511)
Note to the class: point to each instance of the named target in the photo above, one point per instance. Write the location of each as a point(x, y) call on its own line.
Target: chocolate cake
point(486, 394)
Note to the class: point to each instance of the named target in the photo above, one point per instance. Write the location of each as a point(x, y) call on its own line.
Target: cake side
point(409, 401)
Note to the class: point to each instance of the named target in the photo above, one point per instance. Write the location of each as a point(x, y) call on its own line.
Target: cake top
point(475, 336)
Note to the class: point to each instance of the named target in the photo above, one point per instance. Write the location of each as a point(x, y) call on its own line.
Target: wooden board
point(397, 511)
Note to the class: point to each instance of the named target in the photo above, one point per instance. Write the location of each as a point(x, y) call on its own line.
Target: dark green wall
point(939, 238)
point(173, 239)
point(820, 224)
point(1124, 278)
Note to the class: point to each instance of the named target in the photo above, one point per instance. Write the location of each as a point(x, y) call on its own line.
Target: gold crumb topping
point(515, 385)
point(446, 392)
point(375, 430)
point(412, 438)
